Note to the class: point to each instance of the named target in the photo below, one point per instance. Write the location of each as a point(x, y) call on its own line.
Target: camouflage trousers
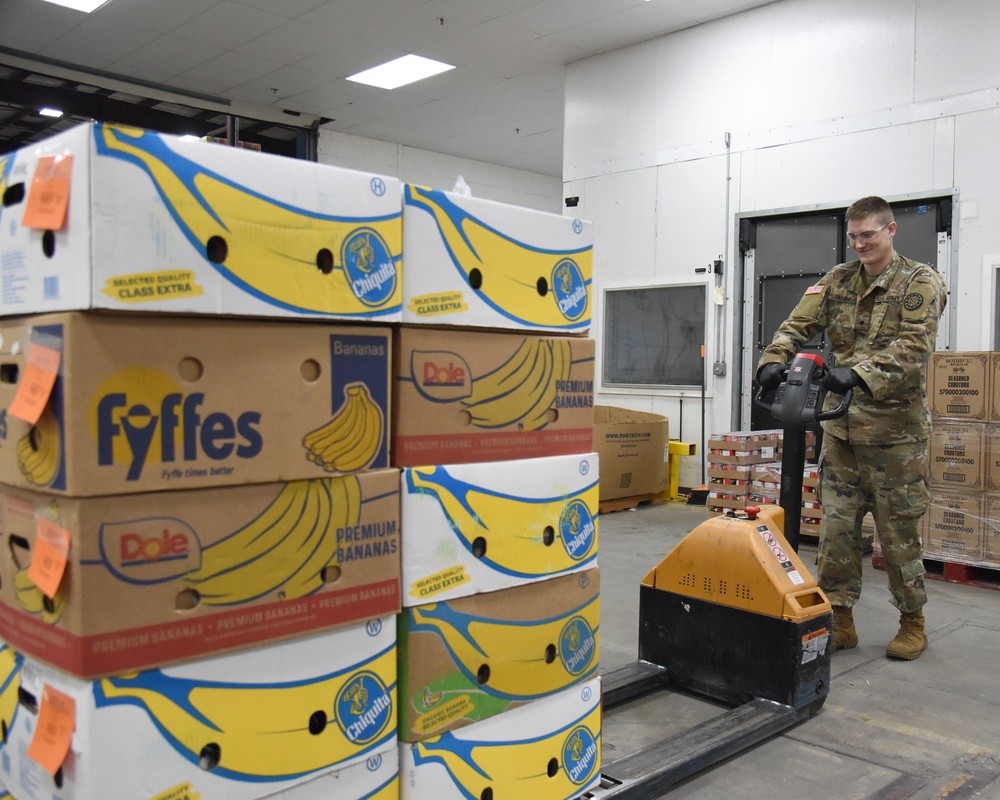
point(888, 481)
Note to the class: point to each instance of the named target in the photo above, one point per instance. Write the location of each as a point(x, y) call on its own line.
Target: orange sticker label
point(56, 722)
point(40, 373)
point(48, 197)
point(49, 556)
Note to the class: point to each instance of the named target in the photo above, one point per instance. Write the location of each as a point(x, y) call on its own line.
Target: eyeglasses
point(866, 236)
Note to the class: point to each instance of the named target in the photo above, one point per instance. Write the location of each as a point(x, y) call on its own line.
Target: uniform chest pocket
point(885, 323)
point(840, 331)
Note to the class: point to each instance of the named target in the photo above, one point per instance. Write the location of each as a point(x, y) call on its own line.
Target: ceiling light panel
point(400, 71)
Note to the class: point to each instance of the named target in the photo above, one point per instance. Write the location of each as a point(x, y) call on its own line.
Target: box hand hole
point(317, 722)
point(210, 756)
point(190, 369)
point(310, 370)
point(479, 547)
point(483, 675)
point(9, 373)
point(548, 536)
point(186, 600)
point(553, 768)
point(330, 573)
point(13, 195)
point(217, 250)
point(49, 243)
point(324, 261)
point(542, 286)
point(27, 699)
point(16, 543)
point(475, 278)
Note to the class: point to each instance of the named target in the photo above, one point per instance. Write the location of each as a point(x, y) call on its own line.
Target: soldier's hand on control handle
point(771, 376)
point(840, 379)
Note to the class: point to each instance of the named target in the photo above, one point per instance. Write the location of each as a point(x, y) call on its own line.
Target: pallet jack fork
point(734, 615)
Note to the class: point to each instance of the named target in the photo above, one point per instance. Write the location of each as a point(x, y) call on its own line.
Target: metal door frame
point(743, 335)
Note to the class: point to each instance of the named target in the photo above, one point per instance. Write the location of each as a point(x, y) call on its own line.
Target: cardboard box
point(169, 576)
point(994, 387)
point(480, 263)
point(991, 529)
point(634, 448)
point(154, 223)
point(958, 455)
point(992, 446)
point(376, 778)
point(471, 528)
point(142, 403)
point(500, 757)
point(483, 396)
point(952, 527)
point(958, 385)
point(468, 659)
point(227, 728)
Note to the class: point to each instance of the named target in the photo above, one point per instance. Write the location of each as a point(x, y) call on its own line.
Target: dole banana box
point(480, 263)
point(473, 396)
point(104, 216)
point(233, 727)
point(471, 528)
point(134, 403)
point(468, 659)
point(161, 577)
point(546, 750)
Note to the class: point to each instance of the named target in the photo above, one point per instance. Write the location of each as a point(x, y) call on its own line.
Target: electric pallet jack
point(732, 614)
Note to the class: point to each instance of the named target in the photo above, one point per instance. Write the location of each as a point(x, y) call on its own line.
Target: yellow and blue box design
point(546, 750)
point(149, 402)
point(234, 727)
point(156, 223)
point(472, 658)
point(471, 528)
point(480, 263)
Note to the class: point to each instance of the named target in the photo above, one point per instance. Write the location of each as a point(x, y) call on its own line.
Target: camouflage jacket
point(885, 333)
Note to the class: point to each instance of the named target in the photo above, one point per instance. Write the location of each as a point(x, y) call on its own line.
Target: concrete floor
point(889, 730)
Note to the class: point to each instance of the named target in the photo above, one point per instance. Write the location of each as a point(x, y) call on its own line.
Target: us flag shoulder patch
point(817, 289)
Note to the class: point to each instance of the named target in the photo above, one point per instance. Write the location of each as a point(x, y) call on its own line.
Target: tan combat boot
point(911, 640)
point(844, 635)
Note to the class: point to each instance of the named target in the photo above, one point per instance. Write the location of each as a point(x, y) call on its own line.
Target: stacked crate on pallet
point(493, 428)
point(200, 570)
point(730, 458)
point(765, 488)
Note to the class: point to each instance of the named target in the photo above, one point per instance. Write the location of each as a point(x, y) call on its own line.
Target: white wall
point(439, 171)
point(825, 101)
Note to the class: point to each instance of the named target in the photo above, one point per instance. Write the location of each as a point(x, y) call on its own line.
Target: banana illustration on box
point(513, 526)
point(532, 286)
point(516, 767)
point(295, 266)
point(351, 440)
point(265, 732)
point(522, 390)
point(10, 681)
point(32, 601)
point(521, 669)
point(285, 549)
point(39, 450)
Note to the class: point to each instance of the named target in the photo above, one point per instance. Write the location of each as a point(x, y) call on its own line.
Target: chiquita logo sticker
point(579, 755)
point(364, 708)
point(570, 289)
point(370, 268)
point(577, 645)
point(577, 528)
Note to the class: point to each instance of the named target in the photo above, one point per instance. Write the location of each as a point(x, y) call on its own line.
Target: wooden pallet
point(631, 503)
point(967, 574)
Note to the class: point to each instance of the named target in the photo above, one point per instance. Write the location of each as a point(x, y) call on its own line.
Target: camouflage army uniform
point(874, 458)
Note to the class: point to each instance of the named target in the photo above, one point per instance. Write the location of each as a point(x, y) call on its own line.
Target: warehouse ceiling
point(276, 67)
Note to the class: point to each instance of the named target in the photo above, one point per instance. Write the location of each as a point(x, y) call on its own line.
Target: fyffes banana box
point(471, 658)
point(489, 396)
point(133, 403)
point(162, 577)
point(104, 216)
point(233, 727)
point(546, 750)
point(480, 263)
point(471, 528)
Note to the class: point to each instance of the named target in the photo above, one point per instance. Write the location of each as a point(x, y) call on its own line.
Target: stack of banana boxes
point(493, 429)
point(200, 565)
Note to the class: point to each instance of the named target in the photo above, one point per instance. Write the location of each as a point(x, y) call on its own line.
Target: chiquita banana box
point(471, 658)
point(489, 396)
point(377, 778)
point(168, 576)
point(480, 263)
point(104, 216)
point(232, 727)
point(546, 750)
point(471, 528)
point(96, 403)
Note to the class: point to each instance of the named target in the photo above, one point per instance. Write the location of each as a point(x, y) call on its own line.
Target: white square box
point(155, 223)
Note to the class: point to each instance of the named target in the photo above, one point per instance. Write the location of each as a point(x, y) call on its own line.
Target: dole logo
point(440, 375)
point(149, 550)
point(214, 435)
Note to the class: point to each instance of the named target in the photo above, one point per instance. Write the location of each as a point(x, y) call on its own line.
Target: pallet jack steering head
point(798, 401)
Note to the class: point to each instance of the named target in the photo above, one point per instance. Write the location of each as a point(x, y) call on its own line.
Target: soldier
point(881, 315)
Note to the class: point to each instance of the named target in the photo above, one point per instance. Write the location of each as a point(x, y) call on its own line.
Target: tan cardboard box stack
point(197, 503)
point(493, 427)
point(731, 457)
point(765, 487)
point(964, 451)
point(634, 450)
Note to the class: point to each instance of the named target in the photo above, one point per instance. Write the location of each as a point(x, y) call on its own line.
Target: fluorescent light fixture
point(190, 137)
point(50, 112)
point(400, 71)
point(80, 5)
